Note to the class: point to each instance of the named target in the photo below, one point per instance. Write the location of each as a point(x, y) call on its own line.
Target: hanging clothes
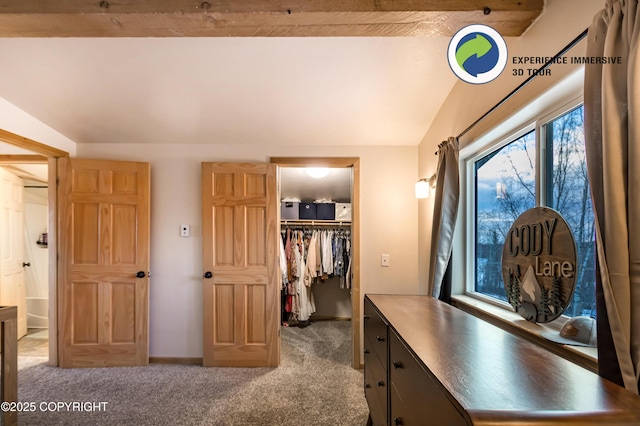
point(283, 265)
point(310, 256)
point(327, 252)
point(305, 296)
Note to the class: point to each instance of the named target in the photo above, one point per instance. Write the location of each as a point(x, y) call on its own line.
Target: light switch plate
point(384, 260)
point(185, 230)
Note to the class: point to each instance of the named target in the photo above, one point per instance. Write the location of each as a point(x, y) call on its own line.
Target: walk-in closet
point(317, 248)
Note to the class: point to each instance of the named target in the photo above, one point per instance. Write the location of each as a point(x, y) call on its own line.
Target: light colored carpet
point(314, 385)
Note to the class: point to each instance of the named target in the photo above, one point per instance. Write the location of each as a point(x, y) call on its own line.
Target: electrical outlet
point(185, 230)
point(384, 260)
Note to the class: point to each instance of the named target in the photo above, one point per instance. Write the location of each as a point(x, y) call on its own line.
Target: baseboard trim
point(172, 360)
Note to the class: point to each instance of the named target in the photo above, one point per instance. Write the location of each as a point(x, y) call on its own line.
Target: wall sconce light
point(423, 187)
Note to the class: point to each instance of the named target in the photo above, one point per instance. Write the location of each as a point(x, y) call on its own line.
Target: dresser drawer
point(415, 395)
point(376, 330)
point(375, 388)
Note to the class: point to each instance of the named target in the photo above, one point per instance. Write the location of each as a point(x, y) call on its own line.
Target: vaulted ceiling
point(310, 72)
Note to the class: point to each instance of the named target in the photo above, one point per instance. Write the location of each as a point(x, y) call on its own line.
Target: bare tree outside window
point(505, 188)
point(568, 192)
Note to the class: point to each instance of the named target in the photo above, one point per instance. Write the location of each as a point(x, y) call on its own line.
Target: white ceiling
point(336, 186)
point(280, 91)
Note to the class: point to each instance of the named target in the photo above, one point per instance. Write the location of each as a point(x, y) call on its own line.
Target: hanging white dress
point(327, 252)
point(305, 301)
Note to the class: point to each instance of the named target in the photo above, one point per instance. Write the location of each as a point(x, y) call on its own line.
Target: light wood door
point(240, 281)
point(103, 282)
point(12, 276)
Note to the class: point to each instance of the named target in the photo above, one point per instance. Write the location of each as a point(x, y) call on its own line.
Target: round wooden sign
point(539, 265)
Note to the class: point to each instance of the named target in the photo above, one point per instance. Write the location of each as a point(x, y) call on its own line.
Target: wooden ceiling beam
point(261, 18)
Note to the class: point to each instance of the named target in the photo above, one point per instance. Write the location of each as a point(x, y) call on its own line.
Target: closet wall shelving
point(315, 222)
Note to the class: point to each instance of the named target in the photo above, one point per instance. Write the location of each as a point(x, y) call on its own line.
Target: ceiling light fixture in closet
point(317, 172)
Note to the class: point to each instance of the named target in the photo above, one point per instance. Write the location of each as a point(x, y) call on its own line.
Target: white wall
point(388, 225)
point(14, 120)
point(561, 22)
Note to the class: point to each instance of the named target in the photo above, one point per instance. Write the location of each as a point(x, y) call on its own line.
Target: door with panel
point(12, 264)
point(240, 280)
point(103, 284)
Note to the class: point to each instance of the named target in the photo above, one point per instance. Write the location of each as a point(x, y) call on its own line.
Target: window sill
point(586, 357)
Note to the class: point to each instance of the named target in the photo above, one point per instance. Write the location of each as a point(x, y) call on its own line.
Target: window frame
point(510, 130)
point(468, 192)
point(539, 101)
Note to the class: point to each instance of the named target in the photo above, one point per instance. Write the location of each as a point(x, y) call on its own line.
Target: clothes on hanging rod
point(310, 256)
point(315, 223)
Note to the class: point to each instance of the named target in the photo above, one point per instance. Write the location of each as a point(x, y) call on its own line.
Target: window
point(504, 188)
point(568, 192)
point(545, 165)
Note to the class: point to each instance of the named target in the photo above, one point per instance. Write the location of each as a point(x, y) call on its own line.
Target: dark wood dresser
point(428, 363)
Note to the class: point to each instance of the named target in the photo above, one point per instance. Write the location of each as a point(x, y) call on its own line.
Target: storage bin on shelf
point(326, 211)
point(307, 210)
point(342, 211)
point(289, 210)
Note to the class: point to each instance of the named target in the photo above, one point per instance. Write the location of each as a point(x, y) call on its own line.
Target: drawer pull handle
point(380, 383)
point(397, 421)
point(367, 317)
point(367, 385)
point(366, 351)
point(397, 364)
point(380, 338)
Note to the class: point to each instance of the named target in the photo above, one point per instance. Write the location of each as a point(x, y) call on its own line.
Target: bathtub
point(37, 312)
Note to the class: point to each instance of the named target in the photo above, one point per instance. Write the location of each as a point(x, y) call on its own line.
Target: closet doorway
point(340, 297)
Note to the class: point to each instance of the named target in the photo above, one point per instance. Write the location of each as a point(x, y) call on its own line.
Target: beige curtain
point(612, 132)
point(444, 213)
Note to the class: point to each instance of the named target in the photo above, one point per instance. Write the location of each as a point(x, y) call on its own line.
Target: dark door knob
point(25, 264)
point(208, 274)
point(140, 274)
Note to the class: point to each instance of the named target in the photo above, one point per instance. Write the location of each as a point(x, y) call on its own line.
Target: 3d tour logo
point(477, 54)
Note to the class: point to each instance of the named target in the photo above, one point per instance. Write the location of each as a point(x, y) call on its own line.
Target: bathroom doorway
point(37, 260)
point(25, 265)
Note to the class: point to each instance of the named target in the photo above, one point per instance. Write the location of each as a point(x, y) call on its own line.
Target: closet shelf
point(316, 222)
